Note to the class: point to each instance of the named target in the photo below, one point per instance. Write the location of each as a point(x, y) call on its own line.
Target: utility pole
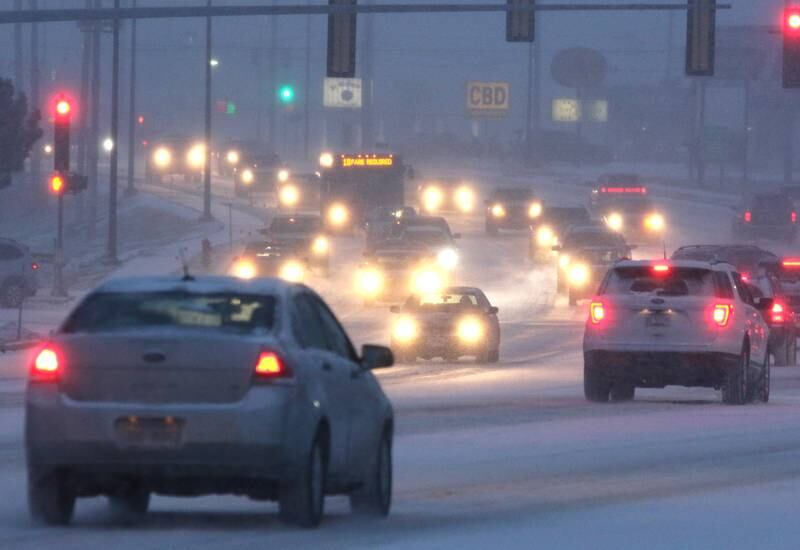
point(114, 168)
point(18, 53)
point(130, 189)
point(307, 103)
point(35, 102)
point(94, 126)
point(537, 84)
point(271, 88)
point(700, 122)
point(207, 166)
point(86, 52)
point(529, 105)
point(367, 58)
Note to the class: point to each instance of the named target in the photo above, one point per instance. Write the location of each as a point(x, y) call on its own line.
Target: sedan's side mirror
point(376, 357)
point(394, 309)
point(494, 310)
point(456, 235)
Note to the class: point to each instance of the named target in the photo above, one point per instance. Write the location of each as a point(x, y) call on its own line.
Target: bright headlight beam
point(578, 275)
point(432, 198)
point(292, 271)
point(247, 176)
point(498, 211)
point(244, 269)
point(405, 329)
point(338, 214)
point(654, 222)
point(535, 210)
point(320, 246)
point(470, 330)
point(447, 258)
point(465, 199)
point(615, 221)
point(545, 236)
point(369, 282)
point(289, 195)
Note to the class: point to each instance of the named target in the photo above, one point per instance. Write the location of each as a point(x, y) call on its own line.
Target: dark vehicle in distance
point(771, 216)
point(511, 208)
point(299, 192)
point(746, 258)
point(258, 173)
point(781, 316)
point(168, 157)
point(550, 228)
point(446, 194)
point(453, 323)
point(626, 207)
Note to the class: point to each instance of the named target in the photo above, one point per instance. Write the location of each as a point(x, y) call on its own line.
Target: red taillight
point(597, 312)
point(778, 314)
point(745, 277)
point(661, 269)
point(269, 365)
point(794, 217)
point(34, 266)
point(791, 262)
point(748, 216)
point(47, 365)
point(721, 314)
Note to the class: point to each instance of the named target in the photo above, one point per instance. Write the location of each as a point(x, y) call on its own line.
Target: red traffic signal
point(791, 21)
point(63, 108)
point(57, 184)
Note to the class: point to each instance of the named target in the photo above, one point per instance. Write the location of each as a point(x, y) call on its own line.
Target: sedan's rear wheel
point(129, 506)
point(374, 498)
point(50, 500)
point(302, 502)
point(596, 387)
point(734, 389)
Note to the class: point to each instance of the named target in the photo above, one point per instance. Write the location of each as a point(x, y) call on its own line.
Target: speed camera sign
point(342, 93)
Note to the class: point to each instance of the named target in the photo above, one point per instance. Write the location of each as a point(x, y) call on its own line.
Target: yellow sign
point(566, 110)
point(490, 98)
point(367, 161)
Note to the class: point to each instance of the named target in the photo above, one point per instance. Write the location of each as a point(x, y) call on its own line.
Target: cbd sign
point(488, 98)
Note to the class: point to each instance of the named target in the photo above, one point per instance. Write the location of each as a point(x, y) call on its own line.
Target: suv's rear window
point(677, 282)
point(108, 312)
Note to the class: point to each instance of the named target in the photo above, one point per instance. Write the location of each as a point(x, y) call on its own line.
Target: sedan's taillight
point(597, 312)
point(794, 217)
point(721, 314)
point(269, 365)
point(748, 216)
point(47, 366)
point(777, 314)
point(35, 266)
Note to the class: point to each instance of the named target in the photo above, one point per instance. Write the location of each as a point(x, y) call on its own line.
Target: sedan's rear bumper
point(659, 369)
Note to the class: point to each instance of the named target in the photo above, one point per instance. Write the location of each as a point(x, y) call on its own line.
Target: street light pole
point(130, 189)
point(114, 168)
point(207, 167)
point(307, 104)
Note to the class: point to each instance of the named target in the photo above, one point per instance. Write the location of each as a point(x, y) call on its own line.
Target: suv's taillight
point(47, 366)
point(269, 365)
point(777, 314)
point(794, 217)
point(721, 314)
point(748, 216)
point(597, 312)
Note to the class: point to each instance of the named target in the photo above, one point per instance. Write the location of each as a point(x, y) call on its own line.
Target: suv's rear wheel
point(596, 387)
point(374, 498)
point(734, 389)
point(50, 500)
point(302, 501)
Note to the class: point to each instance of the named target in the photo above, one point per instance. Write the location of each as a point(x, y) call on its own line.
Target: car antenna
point(187, 276)
point(664, 247)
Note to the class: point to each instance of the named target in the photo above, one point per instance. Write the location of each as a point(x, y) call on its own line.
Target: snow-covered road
point(510, 455)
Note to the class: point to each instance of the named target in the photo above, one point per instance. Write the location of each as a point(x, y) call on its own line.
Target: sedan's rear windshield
point(108, 312)
point(644, 280)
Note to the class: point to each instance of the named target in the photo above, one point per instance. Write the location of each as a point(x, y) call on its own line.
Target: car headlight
point(563, 261)
point(283, 175)
point(465, 199)
point(535, 210)
point(369, 282)
point(292, 271)
point(162, 157)
point(447, 258)
point(579, 275)
point(470, 330)
point(244, 269)
point(432, 198)
point(338, 215)
point(498, 211)
point(405, 330)
point(196, 157)
point(321, 246)
point(545, 237)
point(289, 195)
point(615, 222)
point(248, 177)
point(427, 281)
point(233, 157)
point(326, 160)
point(654, 222)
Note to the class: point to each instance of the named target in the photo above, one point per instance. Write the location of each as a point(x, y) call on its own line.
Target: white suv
point(678, 322)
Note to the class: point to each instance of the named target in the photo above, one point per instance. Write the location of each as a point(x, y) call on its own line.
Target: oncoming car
point(677, 322)
point(628, 209)
point(447, 194)
point(259, 173)
point(175, 156)
point(511, 208)
point(549, 230)
point(456, 322)
point(298, 192)
point(207, 386)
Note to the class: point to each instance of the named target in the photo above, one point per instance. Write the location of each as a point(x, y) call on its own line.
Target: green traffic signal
point(286, 93)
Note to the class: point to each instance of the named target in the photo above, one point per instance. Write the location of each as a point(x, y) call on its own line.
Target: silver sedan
point(208, 386)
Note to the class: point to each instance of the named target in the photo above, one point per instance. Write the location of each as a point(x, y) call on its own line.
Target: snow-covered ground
point(509, 455)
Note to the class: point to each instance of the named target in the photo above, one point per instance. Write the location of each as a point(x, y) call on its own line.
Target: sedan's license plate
point(657, 320)
point(149, 433)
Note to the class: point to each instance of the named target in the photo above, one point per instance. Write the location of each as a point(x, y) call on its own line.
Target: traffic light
point(62, 183)
point(791, 47)
point(701, 37)
point(62, 123)
point(520, 24)
point(342, 41)
point(286, 94)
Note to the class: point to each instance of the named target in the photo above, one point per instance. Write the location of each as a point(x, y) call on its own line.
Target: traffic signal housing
point(341, 41)
point(62, 183)
point(791, 47)
point(520, 24)
point(61, 132)
point(701, 25)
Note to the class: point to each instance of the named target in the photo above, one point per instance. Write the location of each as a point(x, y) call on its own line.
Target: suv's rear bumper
point(658, 369)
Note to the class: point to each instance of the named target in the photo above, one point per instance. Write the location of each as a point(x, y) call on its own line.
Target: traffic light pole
point(130, 189)
point(111, 255)
point(207, 168)
point(58, 261)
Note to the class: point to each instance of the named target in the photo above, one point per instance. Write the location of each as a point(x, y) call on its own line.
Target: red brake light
point(46, 366)
point(597, 312)
point(721, 314)
point(777, 313)
point(748, 216)
point(661, 269)
point(791, 262)
point(269, 365)
point(794, 217)
point(34, 266)
point(745, 277)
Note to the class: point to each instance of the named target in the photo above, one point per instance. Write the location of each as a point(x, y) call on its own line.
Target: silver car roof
point(200, 285)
